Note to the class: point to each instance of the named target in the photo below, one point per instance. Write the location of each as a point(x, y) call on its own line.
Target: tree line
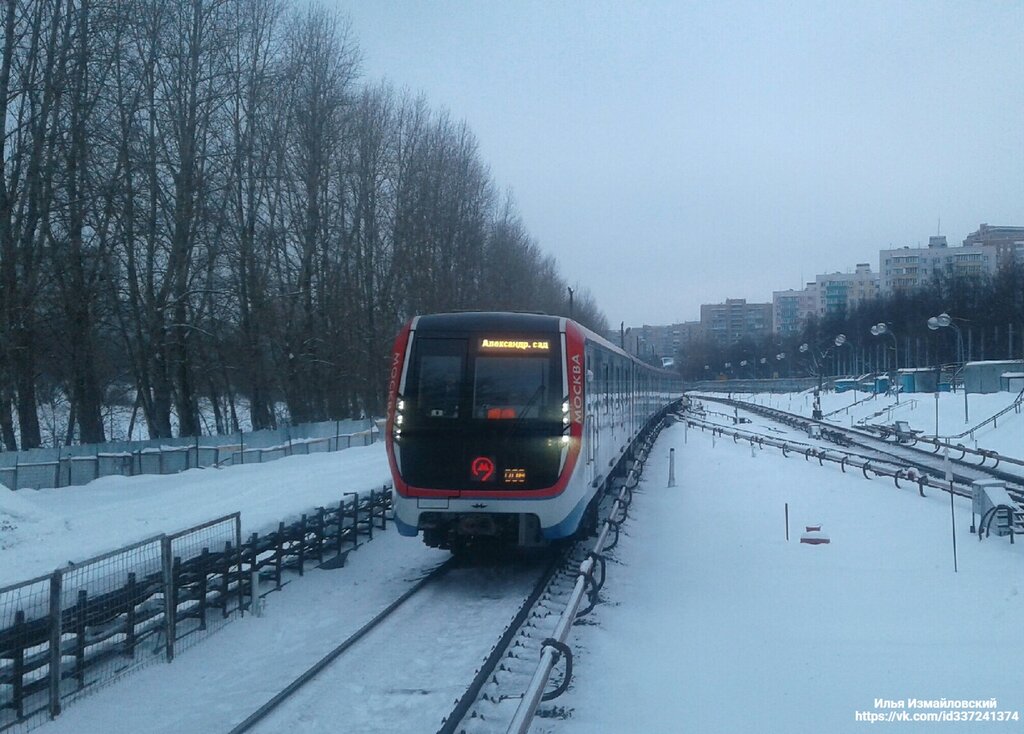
point(988, 311)
point(202, 202)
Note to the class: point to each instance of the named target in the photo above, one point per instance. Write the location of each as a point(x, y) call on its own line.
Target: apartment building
point(1007, 241)
point(907, 268)
point(839, 292)
point(829, 293)
point(788, 311)
point(648, 342)
point(735, 319)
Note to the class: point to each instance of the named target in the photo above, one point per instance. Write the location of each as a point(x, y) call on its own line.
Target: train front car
point(485, 419)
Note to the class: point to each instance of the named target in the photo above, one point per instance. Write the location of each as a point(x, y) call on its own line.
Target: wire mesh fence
point(86, 624)
point(25, 633)
point(111, 610)
point(76, 465)
point(204, 565)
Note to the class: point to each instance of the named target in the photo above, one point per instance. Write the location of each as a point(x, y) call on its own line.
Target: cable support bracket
point(599, 560)
point(559, 649)
point(613, 525)
point(590, 584)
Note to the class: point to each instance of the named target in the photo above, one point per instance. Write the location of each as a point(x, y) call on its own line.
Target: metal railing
point(555, 648)
point(994, 420)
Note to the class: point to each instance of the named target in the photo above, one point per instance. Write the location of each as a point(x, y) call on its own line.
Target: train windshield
point(475, 400)
point(456, 380)
point(511, 387)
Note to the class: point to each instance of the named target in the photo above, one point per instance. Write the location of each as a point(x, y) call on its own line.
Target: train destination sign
point(516, 345)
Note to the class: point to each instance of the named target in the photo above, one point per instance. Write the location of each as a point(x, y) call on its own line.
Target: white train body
point(506, 425)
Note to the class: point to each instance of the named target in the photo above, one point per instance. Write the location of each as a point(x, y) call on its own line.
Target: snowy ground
point(43, 529)
point(713, 622)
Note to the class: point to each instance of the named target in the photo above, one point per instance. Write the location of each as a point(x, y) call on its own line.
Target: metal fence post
point(55, 634)
point(169, 605)
point(241, 578)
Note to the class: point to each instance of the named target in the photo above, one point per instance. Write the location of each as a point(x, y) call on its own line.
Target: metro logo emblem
point(482, 469)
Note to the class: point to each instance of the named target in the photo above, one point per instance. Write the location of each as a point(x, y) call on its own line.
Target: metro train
point(502, 428)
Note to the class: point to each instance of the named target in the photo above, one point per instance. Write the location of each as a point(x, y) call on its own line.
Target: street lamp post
point(805, 348)
point(884, 328)
point(940, 322)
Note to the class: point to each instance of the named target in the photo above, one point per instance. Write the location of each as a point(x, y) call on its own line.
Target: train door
point(435, 447)
point(593, 369)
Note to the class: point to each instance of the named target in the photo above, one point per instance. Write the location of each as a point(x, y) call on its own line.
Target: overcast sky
point(671, 154)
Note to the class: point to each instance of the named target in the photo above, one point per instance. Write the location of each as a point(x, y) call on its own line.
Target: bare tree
point(32, 79)
point(321, 67)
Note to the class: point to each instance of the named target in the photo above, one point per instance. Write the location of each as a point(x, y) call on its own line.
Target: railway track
point(968, 464)
point(412, 660)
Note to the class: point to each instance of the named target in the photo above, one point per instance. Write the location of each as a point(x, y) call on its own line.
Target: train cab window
point(441, 364)
point(511, 387)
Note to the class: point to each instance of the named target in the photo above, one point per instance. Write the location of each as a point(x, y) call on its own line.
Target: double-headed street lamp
point(839, 341)
point(940, 322)
point(779, 357)
point(878, 330)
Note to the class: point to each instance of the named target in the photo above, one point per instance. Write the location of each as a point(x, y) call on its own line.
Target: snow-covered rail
point(554, 648)
point(414, 658)
point(292, 688)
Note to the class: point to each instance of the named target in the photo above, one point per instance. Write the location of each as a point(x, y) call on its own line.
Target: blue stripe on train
point(404, 528)
point(568, 525)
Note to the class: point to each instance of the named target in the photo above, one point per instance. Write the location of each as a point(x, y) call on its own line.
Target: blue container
point(881, 384)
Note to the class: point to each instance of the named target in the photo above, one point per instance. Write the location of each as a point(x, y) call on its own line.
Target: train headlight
point(396, 431)
point(565, 440)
